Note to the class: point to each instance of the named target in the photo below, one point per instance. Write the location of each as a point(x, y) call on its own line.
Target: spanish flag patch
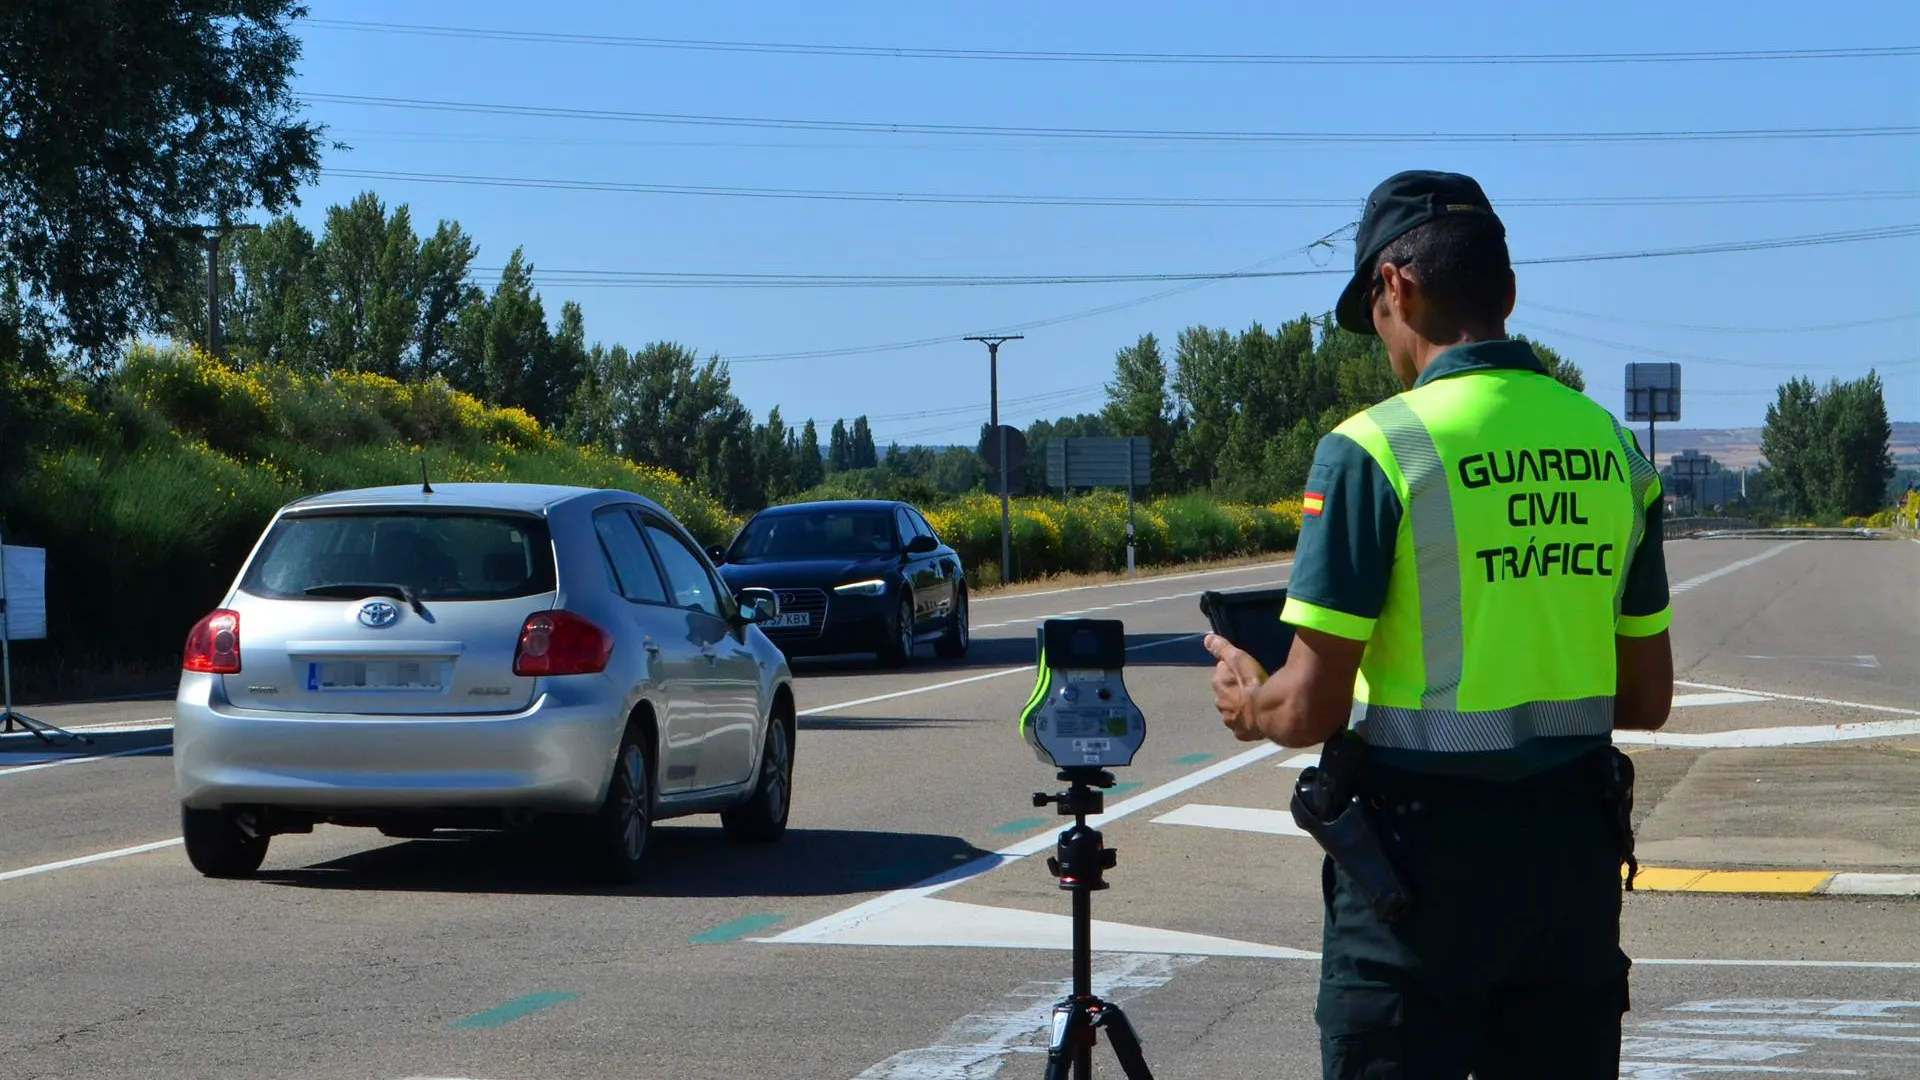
point(1311, 504)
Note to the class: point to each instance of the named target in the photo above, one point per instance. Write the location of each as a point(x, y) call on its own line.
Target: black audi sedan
point(853, 576)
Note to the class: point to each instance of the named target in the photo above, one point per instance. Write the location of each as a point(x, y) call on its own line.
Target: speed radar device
point(1080, 715)
point(1081, 721)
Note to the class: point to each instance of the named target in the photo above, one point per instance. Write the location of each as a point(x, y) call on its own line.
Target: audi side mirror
point(922, 545)
point(717, 553)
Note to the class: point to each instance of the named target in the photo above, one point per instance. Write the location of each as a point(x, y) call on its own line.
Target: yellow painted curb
point(1674, 879)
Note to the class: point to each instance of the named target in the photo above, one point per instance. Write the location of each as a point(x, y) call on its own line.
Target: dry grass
point(1068, 581)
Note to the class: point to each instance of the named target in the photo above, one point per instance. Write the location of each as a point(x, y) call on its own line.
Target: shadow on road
point(1144, 650)
point(685, 861)
point(20, 748)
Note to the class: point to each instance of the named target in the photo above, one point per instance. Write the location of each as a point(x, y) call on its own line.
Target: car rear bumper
point(555, 755)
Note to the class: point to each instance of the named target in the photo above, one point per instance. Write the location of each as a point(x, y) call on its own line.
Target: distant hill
point(1738, 447)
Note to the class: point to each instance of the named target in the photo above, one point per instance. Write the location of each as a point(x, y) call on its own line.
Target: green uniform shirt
point(1553, 523)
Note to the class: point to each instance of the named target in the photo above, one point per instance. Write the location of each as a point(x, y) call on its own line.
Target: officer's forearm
point(1643, 694)
point(1291, 710)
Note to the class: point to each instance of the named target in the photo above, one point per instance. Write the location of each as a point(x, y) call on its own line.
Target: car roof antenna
point(426, 488)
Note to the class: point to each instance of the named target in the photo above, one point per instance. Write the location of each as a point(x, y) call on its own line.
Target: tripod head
point(1081, 855)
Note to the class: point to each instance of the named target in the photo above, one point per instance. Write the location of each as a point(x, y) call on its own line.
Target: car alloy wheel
point(633, 802)
point(906, 629)
point(776, 767)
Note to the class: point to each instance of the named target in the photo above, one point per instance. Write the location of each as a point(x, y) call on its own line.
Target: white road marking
point(930, 923)
point(155, 723)
point(1672, 1070)
point(1837, 1029)
point(1872, 885)
point(1864, 660)
point(1861, 705)
point(1800, 1007)
point(847, 918)
point(1002, 673)
point(121, 853)
point(1644, 1046)
point(976, 1046)
point(1695, 701)
point(1235, 818)
point(1712, 575)
point(1138, 582)
point(1110, 607)
point(1772, 737)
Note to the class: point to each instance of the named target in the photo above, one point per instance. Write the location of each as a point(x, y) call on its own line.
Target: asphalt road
point(831, 956)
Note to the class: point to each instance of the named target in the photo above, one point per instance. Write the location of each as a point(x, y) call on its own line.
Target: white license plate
point(361, 676)
point(792, 618)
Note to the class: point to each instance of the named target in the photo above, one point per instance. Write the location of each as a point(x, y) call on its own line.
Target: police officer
point(1478, 600)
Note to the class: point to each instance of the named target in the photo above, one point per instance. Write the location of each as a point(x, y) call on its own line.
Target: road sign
point(1653, 392)
point(1016, 448)
point(1105, 462)
point(23, 593)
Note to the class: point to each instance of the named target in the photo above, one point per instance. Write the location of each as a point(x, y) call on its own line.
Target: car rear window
point(437, 556)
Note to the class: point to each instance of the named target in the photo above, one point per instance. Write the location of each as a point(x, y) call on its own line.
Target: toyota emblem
point(378, 613)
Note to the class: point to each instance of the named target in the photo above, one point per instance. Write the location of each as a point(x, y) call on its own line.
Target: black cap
point(1402, 202)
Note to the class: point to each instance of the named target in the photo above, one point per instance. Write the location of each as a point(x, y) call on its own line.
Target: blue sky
point(1595, 313)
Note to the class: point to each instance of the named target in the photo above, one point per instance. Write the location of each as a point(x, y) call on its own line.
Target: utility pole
point(993, 390)
point(210, 236)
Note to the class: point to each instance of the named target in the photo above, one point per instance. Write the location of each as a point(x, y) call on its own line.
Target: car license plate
point(361, 676)
point(792, 618)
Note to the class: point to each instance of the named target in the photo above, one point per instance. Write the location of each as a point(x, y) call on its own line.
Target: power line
point(1674, 354)
point(1180, 202)
point(1317, 59)
point(714, 279)
point(1176, 135)
point(1815, 328)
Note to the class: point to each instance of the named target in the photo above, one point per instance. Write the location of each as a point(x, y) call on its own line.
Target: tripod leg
point(1071, 1024)
point(1126, 1043)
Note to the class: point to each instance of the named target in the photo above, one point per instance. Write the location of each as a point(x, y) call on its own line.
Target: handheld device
point(1079, 715)
point(1250, 619)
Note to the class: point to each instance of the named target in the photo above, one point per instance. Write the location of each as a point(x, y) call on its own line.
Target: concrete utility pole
point(211, 235)
point(993, 389)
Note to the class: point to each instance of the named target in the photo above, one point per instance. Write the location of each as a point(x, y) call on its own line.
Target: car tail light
point(213, 645)
point(561, 643)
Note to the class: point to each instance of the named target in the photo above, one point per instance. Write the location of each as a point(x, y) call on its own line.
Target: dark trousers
point(1508, 966)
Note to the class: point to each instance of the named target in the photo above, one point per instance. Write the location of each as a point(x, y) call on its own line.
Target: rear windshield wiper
point(351, 589)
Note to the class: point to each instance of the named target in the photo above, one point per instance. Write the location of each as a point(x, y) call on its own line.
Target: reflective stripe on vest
point(1438, 724)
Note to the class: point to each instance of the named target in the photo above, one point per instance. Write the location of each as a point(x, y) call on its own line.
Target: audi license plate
point(792, 618)
point(372, 675)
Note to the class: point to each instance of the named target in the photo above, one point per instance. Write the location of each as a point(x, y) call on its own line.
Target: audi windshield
point(810, 534)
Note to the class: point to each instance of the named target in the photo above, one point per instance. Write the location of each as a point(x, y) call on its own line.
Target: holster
point(1617, 791)
point(1328, 807)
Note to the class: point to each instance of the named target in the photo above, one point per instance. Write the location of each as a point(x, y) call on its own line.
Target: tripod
point(1078, 863)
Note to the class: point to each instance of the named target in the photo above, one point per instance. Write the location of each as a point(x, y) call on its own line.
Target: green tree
point(863, 454)
point(367, 261)
point(1204, 368)
point(443, 292)
point(773, 458)
point(1557, 366)
point(1853, 421)
point(840, 448)
point(123, 122)
point(559, 368)
point(1139, 404)
point(1791, 443)
point(810, 469)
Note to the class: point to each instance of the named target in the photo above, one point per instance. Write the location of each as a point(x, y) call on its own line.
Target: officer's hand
point(1236, 677)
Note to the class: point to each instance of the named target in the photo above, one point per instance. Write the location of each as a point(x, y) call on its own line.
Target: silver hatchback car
point(480, 656)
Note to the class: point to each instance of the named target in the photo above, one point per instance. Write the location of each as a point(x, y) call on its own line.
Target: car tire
point(953, 644)
point(613, 847)
point(900, 635)
point(762, 818)
point(223, 843)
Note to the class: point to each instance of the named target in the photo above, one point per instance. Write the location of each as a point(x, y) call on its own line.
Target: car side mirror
point(717, 553)
point(921, 545)
point(758, 605)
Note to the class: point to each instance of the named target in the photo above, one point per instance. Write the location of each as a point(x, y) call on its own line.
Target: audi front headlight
point(870, 587)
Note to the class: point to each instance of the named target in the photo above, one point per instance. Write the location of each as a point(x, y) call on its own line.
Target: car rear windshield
point(434, 556)
point(793, 534)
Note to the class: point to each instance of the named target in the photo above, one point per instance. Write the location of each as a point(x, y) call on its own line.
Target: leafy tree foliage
point(1827, 451)
point(122, 123)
